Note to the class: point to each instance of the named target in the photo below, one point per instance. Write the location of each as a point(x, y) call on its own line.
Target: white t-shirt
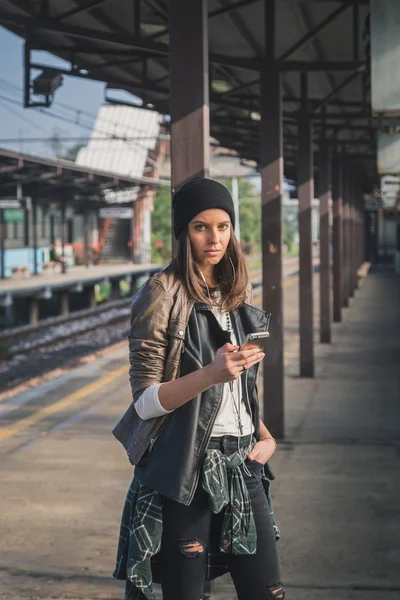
point(148, 405)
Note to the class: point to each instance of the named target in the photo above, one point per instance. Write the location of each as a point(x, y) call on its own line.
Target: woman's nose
point(214, 237)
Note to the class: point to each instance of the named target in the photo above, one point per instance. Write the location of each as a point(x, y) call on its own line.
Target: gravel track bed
point(39, 352)
point(22, 367)
point(66, 330)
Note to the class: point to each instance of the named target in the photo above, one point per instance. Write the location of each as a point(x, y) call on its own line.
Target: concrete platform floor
point(336, 493)
point(74, 275)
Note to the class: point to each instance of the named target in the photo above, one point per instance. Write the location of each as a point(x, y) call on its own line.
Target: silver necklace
point(236, 408)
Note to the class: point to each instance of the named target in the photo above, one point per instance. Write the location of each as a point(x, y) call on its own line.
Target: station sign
point(116, 212)
point(13, 215)
point(15, 203)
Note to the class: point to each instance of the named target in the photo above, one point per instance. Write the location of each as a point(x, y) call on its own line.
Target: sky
point(76, 102)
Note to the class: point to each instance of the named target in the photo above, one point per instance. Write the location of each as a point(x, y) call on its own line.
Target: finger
point(250, 353)
point(250, 362)
point(246, 354)
point(252, 456)
point(228, 347)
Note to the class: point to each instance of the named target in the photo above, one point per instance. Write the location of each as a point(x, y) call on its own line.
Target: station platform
point(24, 295)
point(74, 276)
point(64, 477)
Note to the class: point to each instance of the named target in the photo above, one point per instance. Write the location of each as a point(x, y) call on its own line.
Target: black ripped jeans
point(188, 530)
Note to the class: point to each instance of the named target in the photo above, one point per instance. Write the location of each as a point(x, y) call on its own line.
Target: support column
point(115, 290)
point(26, 227)
point(337, 237)
point(34, 236)
point(271, 165)
point(352, 235)
point(52, 230)
point(85, 237)
point(63, 269)
point(346, 239)
point(2, 244)
point(305, 187)
point(132, 232)
point(189, 94)
point(91, 296)
point(324, 243)
point(33, 311)
point(64, 303)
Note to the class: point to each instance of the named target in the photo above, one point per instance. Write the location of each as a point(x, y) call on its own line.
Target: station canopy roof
point(125, 44)
point(62, 179)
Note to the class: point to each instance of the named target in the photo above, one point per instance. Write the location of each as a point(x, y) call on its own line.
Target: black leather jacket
point(171, 465)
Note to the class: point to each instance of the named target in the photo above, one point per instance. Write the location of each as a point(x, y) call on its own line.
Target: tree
point(161, 226)
point(249, 214)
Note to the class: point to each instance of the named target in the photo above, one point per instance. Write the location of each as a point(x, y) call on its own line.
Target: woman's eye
point(201, 227)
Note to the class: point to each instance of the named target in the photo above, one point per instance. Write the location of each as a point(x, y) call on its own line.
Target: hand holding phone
point(255, 340)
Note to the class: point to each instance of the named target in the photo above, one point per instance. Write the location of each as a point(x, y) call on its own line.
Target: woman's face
point(209, 232)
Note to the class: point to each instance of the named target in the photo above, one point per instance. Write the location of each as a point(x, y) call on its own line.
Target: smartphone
point(255, 340)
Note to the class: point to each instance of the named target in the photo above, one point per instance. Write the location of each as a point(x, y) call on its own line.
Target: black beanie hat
point(197, 195)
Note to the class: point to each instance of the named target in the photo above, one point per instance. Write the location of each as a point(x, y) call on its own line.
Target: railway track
point(29, 338)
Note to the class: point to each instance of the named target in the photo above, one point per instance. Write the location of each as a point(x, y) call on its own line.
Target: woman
point(199, 503)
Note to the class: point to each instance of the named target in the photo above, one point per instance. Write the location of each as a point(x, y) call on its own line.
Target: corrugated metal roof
point(120, 141)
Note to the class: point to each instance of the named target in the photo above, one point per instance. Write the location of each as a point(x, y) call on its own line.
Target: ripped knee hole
point(277, 592)
point(192, 548)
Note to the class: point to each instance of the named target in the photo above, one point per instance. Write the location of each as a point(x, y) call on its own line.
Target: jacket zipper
point(203, 446)
point(154, 439)
point(196, 360)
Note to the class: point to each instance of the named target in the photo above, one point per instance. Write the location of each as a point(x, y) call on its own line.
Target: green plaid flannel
point(141, 523)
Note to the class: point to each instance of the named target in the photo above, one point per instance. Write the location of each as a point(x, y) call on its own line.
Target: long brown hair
point(232, 282)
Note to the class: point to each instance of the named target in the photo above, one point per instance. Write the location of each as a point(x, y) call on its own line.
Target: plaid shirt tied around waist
point(142, 525)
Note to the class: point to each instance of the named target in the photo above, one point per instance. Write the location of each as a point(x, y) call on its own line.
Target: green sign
point(13, 215)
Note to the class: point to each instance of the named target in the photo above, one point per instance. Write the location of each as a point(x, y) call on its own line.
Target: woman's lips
point(212, 251)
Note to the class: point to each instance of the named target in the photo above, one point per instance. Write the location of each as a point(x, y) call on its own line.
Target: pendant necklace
point(231, 383)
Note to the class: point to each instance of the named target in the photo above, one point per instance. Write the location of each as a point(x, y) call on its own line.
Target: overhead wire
point(87, 126)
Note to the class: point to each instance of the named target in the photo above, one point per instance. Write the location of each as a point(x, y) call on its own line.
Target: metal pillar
point(63, 269)
point(52, 230)
point(91, 296)
point(337, 237)
point(352, 237)
point(346, 239)
point(271, 165)
point(305, 187)
point(34, 236)
point(26, 227)
point(324, 243)
point(132, 232)
point(115, 290)
point(85, 237)
point(189, 95)
point(2, 244)
point(64, 303)
point(33, 311)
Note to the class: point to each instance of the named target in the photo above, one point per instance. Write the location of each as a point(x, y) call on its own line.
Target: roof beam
point(81, 9)
point(336, 90)
point(312, 33)
point(229, 7)
point(321, 65)
point(251, 63)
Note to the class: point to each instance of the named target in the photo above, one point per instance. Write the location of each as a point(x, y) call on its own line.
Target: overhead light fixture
point(47, 82)
point(221, 86)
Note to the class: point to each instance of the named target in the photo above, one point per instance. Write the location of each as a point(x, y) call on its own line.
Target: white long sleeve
point(148, 405)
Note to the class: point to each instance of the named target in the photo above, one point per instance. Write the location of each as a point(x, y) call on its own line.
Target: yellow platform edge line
point(52, 409)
